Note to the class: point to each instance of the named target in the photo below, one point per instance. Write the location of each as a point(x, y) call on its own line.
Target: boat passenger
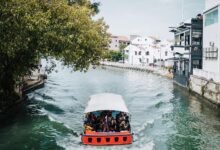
point(87, 127)
point(113, 125)
point(106, 127)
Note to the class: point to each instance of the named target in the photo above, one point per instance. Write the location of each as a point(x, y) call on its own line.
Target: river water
point(164, 116)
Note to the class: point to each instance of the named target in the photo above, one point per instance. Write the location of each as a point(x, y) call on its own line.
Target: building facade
point(116, 41)
point(211, 42)
point(148, 51)
point(187, 49)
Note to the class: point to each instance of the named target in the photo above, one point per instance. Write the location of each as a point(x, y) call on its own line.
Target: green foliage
point(122, 47)
point(93, 6)
point(32, 29)
point(116, 56)
point(113, 55)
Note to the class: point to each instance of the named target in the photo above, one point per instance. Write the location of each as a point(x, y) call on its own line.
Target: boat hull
point(102, 139)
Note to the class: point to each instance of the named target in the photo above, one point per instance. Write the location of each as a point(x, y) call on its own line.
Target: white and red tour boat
point(106, 121)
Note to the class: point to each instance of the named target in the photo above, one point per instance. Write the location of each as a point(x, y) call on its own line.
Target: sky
point(147, 17)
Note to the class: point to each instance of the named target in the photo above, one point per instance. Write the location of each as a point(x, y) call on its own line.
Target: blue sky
point(147, 17)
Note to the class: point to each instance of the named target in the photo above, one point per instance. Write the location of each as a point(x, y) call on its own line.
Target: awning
point(106, 101)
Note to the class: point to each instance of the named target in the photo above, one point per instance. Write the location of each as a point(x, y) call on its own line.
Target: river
point(164, 116)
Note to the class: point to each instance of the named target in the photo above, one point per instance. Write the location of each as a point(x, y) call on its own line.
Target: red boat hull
point(107, 138)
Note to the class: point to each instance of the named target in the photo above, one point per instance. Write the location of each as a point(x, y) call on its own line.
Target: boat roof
point(106, 101)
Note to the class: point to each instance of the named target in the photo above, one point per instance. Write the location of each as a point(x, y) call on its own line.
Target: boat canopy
point(106, 101)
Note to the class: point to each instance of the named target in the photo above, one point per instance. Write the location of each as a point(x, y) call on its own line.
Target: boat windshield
point(107, 121)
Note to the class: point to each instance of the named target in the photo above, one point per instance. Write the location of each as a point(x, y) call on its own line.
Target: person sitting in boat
point(124, 125)
point(88, 127)
point(122, 122)
point(93, 120)
point(97, 127)
point(113, 126)
point(90, 122)
point(106, 127)
point(109, 118)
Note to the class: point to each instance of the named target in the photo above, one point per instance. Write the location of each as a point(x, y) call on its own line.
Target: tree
point(32, 29)
point(115, 56)
point(94, 6)
point(121, 48)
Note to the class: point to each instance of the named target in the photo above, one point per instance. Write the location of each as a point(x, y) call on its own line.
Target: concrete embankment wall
point(156, 70)
point(30, 85)
point(206, 88)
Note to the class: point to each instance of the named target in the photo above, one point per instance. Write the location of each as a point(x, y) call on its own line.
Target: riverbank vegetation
point(34, 29)
point(116, 56)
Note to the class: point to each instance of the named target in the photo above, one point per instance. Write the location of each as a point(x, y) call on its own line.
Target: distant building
point(211, 42)
point(116, 41)
point(132, 37)
point(148, 51)
point(187, 49)
point(166, 53)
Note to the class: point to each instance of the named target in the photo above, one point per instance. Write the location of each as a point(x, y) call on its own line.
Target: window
point(187, 41)
point(177, 40)
point(139, 52)
point(182, 39)
point(98, 140)
point(135, 52)
point(107, 139)
point(90, 140)
point(124, 139)
point(116, 139)
point(196, 64)
point(147, 53)
point(195, 49)
point(166, 53)
point(211, 17)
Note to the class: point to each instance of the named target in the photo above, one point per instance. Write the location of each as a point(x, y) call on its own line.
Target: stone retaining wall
point(206, 88)
point(156, 70)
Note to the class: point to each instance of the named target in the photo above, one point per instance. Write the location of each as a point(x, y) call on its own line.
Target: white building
point(211, 42)
point(148, 51)
point(166, 53)
point(115, 42)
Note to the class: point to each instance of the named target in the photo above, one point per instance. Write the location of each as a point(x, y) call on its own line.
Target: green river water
point(164, 116)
